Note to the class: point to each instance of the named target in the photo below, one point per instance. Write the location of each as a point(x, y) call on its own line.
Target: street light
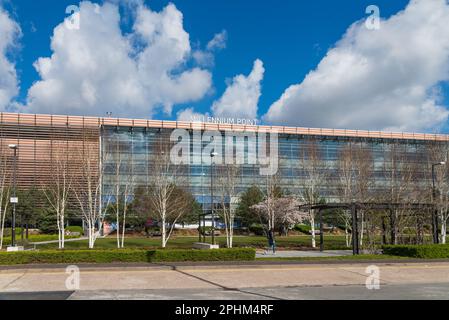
point(434, 196)
point(201, 235)
point(13, 199)
point(212, 155)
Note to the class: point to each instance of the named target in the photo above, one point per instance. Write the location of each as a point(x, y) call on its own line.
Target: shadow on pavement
point(48, 295)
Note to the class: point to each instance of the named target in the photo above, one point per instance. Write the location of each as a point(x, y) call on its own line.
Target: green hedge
point(236, 254)
point(75, 229)
point(429, 251)
point(124, 255)
point(303, 228)
point(257, 229)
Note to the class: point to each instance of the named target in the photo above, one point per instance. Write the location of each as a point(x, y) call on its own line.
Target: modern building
point(301, 153)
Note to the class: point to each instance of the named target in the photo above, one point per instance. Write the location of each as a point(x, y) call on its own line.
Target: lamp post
point(13, 199)
point(201, 214)
point(434, 196)
point(212, 155)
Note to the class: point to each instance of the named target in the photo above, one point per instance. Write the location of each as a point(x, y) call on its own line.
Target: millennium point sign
point(224, 120)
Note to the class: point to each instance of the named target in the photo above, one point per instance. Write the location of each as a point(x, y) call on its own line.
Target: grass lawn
point(34, 238)
point(293, 242)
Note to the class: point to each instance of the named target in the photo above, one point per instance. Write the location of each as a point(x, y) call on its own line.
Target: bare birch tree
point(88, 191)
point(363, 170)
point(227, 182)
point(272, 192)
point(58, 187)
point(166, 200)
point(356, 167)
point(314, 176)
point(123, 191)
point(439, 154)
point(346, 186)
point(5, 188)
point(400, 175)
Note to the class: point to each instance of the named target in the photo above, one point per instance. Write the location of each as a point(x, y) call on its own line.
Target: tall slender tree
point(313, 167)
point(166, 198)
point(58, 187)
point(5, 188)
point(87, 190)
point(228, 176)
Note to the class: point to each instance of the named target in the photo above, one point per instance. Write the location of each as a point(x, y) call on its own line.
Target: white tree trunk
point(62, 230)
point(123, 229)
point(58, 224)
point(229, 222)
point(443, 233)
point(231, 239)
point(118, 225)
point(227, 232)
point(231, 231)
point(91, 234)
point(164, 230)
point(347, 236)
point(443, 227)
point(312, 226)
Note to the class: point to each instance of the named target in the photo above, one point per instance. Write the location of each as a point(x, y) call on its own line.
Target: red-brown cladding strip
point(94, 122)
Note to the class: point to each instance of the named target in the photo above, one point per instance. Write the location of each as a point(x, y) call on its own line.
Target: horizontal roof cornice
point(66, 120)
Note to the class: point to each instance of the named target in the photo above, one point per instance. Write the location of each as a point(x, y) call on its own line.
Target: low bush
point(235, 254)
point(203, 230)
point(429, 251)
point(7, 231)
point(257, 229)
point(75, 229)
point(124, 255)
point(73, 256)
point(303, 228)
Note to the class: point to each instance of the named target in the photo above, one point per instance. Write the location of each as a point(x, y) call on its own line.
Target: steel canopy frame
point(354, 207)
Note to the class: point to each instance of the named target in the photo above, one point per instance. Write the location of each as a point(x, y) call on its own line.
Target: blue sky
point(291, 37)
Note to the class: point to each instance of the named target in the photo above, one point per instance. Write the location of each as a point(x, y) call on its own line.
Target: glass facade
point(130, 149)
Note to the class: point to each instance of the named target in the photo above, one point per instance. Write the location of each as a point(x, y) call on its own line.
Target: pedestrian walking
point(271, 241)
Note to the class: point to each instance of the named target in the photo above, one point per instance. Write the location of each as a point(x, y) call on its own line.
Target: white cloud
point(97, 68)
point(9, 33)
point(189, 114)
point(206, 57)
point(218, 42)
point(242, 95)
point(377, 79)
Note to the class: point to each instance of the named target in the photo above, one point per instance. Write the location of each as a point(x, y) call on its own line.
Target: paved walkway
point(221, 278)
point(411, 291)
point(56, 241)
point(303, 254)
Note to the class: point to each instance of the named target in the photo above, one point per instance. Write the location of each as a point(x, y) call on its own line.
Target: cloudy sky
point(298, 63)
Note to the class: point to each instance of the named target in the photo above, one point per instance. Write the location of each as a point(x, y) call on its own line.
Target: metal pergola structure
point(202, 226)
point(356, 206)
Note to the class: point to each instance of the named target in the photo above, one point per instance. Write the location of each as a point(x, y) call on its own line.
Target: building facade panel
point(129, 144)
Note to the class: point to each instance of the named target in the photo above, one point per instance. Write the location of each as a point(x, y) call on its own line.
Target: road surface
point(280, 281)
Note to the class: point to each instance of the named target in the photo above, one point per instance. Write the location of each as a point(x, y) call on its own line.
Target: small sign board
point(14, 200)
